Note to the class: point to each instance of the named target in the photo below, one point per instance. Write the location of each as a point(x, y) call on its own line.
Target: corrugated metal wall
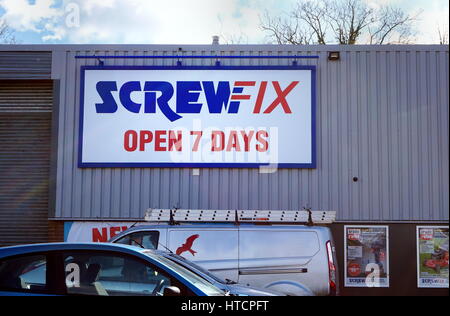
point(25, 134)
point(382, 116)
point(25, 65)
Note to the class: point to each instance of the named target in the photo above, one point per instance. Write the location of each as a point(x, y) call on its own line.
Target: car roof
point(6, 252)
point(32, 248)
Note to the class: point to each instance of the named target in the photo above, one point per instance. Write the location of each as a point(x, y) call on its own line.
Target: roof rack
point(175, 216)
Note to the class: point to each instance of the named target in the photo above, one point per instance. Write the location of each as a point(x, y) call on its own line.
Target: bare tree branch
point(6, 34)
point(285, 30)
point(344, 22)
point(312, 13)
point(443, 34)
point(233, 39)
point(390, 22)
point(348, 19)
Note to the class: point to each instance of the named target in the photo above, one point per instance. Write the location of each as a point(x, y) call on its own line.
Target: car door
point(114, 274)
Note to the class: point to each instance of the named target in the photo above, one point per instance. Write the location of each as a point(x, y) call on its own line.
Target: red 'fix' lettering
point(281, 97)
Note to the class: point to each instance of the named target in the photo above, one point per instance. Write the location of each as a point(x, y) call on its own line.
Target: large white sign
point(197, 117)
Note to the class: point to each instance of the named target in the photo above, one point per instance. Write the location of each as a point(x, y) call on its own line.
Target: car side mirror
point(172, 291)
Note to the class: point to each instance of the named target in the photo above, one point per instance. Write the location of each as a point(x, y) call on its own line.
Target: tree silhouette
point(345, 22)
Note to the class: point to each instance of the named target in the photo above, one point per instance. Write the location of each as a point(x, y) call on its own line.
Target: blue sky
point(172, 21)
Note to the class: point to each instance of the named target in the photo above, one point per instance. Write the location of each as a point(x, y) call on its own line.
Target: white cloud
point(91, 5)
point(24, 16)
point(163, 22)
point(430, 21)
point(175, 21)
point(56, 33)
point(140, 21)
point(379, 3)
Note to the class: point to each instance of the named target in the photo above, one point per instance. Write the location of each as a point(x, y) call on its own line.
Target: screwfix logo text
point(220, 97)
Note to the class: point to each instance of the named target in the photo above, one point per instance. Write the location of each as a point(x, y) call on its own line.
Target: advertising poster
point(366, 256)
point(432, 256)
point(94, 231)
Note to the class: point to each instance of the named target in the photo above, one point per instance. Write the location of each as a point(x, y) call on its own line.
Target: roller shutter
point(25, 143)
point(25, 65)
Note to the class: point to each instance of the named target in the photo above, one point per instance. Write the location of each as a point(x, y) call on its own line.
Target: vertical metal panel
point(25, 65)
point(25, 133)
point(382, 116)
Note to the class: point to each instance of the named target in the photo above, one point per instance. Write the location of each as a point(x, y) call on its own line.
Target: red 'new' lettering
point(99, 237)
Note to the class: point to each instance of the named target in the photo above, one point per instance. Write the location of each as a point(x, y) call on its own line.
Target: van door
point(268, 256)
point(214, 249)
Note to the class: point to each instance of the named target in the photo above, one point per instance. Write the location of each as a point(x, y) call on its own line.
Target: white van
point(291, 259)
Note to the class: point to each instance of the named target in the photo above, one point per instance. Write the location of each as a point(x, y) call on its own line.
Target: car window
point(193, 266)
point(146, 239)
point(204, 285)
point(26, 273)
point(111, 275)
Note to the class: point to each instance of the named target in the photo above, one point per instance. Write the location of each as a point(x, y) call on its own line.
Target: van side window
point(146, 239)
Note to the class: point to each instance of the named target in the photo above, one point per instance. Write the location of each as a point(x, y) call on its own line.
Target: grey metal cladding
point(382, 116)
point(25, 64)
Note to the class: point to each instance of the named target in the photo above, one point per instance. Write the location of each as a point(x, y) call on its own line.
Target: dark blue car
point(95, 269)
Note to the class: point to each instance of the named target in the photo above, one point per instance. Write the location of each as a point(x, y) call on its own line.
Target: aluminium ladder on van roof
point(240, 216)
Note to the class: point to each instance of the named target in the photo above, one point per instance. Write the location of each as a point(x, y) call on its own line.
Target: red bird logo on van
point(187, 246)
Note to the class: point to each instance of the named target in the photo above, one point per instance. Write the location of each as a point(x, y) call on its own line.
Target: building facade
point(380, 144)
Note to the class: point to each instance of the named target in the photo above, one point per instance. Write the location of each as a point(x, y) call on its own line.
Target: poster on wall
point(432, 256)
point(94, 231)
point(366, 256)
